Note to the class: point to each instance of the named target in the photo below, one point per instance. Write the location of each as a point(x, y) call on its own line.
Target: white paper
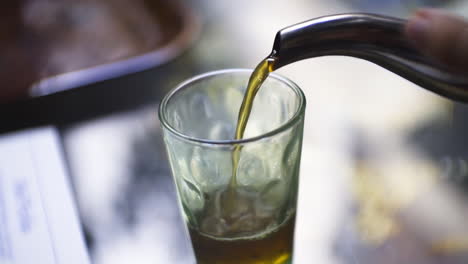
point(38, 217)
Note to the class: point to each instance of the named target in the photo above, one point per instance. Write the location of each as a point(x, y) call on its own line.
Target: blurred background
point(384, 176)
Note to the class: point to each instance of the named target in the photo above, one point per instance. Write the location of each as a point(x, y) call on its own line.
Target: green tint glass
point(253, 220)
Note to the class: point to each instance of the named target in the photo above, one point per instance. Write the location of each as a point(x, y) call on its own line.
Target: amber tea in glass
point(238, 209)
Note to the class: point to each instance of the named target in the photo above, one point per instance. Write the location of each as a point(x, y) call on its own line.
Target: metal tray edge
point(75, 79)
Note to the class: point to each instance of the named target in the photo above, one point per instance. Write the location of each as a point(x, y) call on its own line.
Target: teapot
point(375, 38)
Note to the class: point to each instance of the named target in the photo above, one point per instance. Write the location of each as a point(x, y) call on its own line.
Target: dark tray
point(89, 92)
point(52, 46)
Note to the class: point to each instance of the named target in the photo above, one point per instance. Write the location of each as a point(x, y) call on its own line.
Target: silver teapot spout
point(375, 38)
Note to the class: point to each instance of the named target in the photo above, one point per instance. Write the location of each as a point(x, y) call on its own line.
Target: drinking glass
point(250, 218)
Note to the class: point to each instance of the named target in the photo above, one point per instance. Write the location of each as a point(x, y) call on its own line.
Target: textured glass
point(199, 120)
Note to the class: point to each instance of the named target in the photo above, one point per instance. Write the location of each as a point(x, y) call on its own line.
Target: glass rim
point(186, 84)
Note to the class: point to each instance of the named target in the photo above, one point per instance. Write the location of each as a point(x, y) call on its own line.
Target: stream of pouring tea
point(256, 80)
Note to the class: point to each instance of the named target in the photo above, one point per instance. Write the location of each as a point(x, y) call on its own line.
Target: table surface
point(384, 174)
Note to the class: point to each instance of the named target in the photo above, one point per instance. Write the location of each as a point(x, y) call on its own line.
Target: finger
point(441, 35)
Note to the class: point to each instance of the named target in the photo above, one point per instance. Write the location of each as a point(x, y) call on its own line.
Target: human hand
point(440, 35)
